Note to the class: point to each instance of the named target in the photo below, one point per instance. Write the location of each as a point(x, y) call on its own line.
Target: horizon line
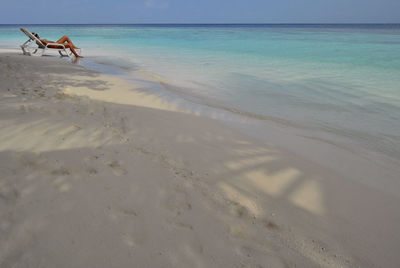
point(219, 23)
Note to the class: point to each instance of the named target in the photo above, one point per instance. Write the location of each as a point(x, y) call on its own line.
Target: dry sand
point(94, 172)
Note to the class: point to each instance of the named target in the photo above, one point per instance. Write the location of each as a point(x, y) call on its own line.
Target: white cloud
point(155, 4)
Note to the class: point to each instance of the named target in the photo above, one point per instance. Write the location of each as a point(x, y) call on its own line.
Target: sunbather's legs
point(72, 48)
point(66, 46)
point(66, 39)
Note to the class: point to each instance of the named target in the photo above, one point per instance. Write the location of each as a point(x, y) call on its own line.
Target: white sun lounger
point(33, 46)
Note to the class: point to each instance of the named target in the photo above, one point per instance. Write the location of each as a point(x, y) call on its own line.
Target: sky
point(198, 11)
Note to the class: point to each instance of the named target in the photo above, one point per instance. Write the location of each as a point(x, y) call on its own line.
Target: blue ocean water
point(341, 80)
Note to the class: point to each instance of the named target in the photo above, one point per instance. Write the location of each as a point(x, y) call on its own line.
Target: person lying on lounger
point(64, 41)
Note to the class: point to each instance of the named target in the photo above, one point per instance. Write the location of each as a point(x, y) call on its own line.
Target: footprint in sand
point(184, 225)
point(178, 202)
point(123, 124)
point(117, 169)
point(271, 225)
point(62, 171)
point(238, 210)
point(31, 160)
point(91, 171)
point(8, 193)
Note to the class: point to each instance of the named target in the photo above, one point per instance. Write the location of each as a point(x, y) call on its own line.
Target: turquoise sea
point(339, 82)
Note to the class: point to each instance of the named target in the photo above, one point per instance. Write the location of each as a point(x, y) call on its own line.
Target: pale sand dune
point(95, 172)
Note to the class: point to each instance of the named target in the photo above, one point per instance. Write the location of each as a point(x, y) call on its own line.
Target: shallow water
point(341, 81)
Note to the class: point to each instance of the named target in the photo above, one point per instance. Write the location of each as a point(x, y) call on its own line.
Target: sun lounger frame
point(30, 50)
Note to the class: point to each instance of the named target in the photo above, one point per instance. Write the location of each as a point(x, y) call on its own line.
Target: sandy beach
point(95, 172)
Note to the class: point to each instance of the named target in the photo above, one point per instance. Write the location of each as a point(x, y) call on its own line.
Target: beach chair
point(33, 46)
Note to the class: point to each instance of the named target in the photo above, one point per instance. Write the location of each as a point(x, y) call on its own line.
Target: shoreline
point(288, 135)
point(130, 176)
